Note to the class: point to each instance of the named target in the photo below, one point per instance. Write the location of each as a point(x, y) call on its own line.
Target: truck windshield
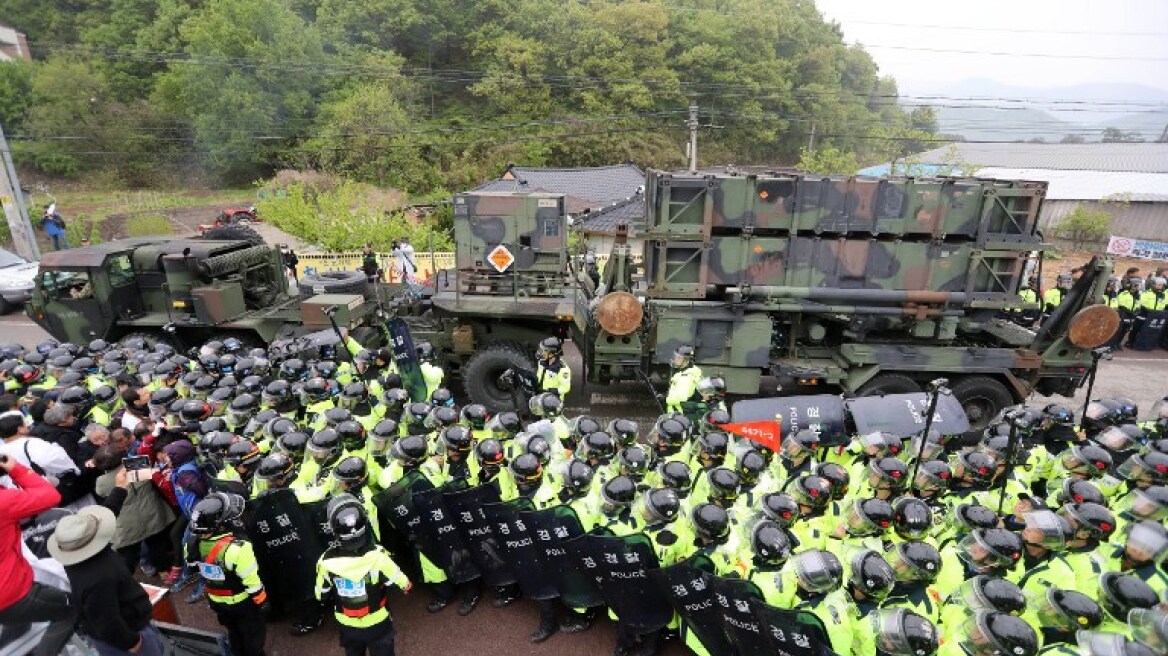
point(121, 272)
point(65, 285)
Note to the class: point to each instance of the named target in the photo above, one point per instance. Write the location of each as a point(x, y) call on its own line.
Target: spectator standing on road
point(22, 599)
point(404, 253)
point(115, 610)
point(369, 264)
point(54, 227)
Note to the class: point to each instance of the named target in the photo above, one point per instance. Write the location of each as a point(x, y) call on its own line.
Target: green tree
point(1084, 225)
point(15, 94)
point(828, 161)
point(251, 86)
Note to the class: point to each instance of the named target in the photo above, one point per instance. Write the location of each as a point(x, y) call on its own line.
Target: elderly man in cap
point(114, 609)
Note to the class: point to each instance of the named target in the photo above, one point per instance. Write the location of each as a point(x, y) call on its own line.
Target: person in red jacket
point(22, 599)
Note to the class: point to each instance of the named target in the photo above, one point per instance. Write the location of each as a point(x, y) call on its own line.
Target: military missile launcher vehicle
point(860, 285)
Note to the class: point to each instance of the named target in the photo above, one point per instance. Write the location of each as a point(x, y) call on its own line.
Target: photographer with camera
point(22, 600)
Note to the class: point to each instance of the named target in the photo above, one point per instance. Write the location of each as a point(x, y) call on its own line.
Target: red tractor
point(232, 217)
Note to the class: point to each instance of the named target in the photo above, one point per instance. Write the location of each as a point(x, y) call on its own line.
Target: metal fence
point(1138, 220)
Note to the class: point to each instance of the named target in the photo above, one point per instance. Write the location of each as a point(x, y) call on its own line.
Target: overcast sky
point(1086, 40)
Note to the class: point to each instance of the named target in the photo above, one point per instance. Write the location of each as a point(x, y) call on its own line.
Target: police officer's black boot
point(443, 593)
point(505, 595)
point(547, 621)
point(576, 622)
point(312, 620)
point(470, 598)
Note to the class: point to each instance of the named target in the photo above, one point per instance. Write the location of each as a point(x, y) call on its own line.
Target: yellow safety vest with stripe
point(682, 386)
point(1125, 300)
point(1154, 301)
point(433, 375)
point(555, 377)
point(229, 570)
point(359, 585)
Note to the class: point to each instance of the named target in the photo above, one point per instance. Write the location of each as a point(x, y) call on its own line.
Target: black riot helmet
point(354, 394)
point(243, 453)
point(490, 456)
point(475, 416)
point(597, 448)
point(724, 484)
point(505, 425)
point(633, 462)
point(713, 444)
point(215, 514)
point(333, 417)
point(990, 548)
point(277, 469)
point(660, 505)
point(325, 447)
point(528, 472)
point(1145, 469)
point(349, 523)
point(975, 467)
point(410, 451)
point(810, 490)
point(990, 593)
point(710, 522)
point(293, 444)
point(837, 475)
point(442, 397)
point(914, 561)
point(871, 575)
point(750, 467)
point(668, 435)
point(441, 417)
point(395, 400)
point(577, 478)
point(677, 475)
point(714, 420)
point(912, 519)
point(989, 633)
point(769, 544)
point(1065, 610)
point(617, 493)
point(457, 439)
point(780, 508)
point(194, 410)
point(818, 571)
point(549, 347)
point(352, 435)
point(317, 389)
point(932, 476)
point(1120, 593)
point(900, 632)
point(624, 431)
point(683, 357)
point(1089, 520)
point(1077, 490)
point(351, 473)
point(277, 426)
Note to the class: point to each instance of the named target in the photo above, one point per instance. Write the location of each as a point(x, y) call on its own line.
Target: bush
point(147, 224)
point(1084, 225)
point(344, 218)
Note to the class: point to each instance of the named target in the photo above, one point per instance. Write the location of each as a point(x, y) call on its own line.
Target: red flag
point(767, 432)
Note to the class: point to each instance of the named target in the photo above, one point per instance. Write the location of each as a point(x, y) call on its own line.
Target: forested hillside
point(425, 95)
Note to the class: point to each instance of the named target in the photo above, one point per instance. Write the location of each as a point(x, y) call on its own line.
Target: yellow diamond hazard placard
point(501, 258)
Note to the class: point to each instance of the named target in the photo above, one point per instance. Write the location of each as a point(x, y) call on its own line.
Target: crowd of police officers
point(1046, 536)
point(1141, 302)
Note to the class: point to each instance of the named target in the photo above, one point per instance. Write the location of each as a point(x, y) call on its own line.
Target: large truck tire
point(882, 384)
point(982, 398)
point(332, 282)
point(235, 232)
point(480, 376)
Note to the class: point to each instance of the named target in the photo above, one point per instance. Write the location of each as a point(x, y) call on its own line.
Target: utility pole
point(811, 139)
point(692, 124)
point(12, 201)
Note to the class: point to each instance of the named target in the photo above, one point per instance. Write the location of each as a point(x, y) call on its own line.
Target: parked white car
point(16, 280)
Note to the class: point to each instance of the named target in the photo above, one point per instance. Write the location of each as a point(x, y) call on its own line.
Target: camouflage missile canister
point(531, 228)
point(708, 233)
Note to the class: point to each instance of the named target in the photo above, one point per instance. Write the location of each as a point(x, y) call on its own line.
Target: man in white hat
point(21, 598)
point(114, 609)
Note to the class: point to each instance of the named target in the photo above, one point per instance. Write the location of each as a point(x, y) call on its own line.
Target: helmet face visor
point(1150, 626)
point(814, 573)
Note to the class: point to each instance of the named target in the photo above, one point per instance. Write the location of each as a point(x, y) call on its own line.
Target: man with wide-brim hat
point(114, 609)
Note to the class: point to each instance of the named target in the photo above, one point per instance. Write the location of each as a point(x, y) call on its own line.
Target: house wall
point(602, 244)
point(1139, 220)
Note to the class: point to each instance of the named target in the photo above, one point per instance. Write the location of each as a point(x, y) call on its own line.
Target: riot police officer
point(553, 373)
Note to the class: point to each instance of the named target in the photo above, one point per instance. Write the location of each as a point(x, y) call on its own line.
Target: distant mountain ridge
point(984, 110)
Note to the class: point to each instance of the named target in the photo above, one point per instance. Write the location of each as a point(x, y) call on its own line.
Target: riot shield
point(522, 553)
point(406, 358)
point(905, 414)
point(286, 545)
point(399, 517)
point(743, 631)
point(440, 530)
point(317, 514)
point(557, 531)
point(486, 549)
point(1149, 331)
point(687, 586)
point(36, 531)
point(823, 413)
point(621, 565)
point(789, 632)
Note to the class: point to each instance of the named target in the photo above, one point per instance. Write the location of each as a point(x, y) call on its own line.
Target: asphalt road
point(489, 631)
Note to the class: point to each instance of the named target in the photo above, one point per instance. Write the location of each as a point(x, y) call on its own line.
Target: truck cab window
point(121, 271)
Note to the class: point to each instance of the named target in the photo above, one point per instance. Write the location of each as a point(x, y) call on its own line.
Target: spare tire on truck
point(332, 282)
point(235, 231)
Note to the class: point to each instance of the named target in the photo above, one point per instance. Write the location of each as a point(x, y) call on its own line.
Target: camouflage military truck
point(185, 291)
point(856, 284)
